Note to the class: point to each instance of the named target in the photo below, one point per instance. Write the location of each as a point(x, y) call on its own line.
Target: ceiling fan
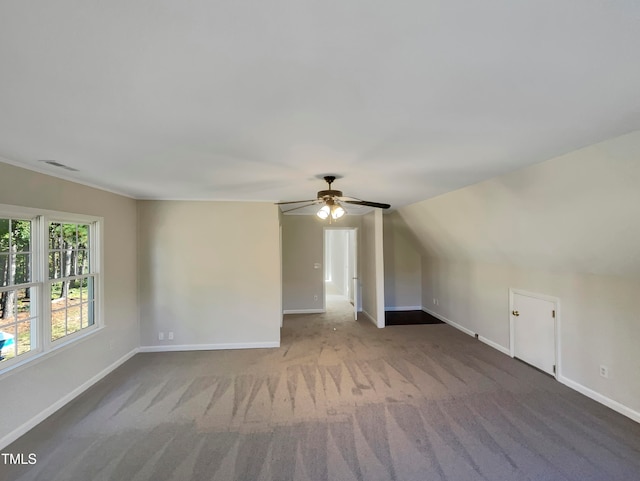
point(332, 201)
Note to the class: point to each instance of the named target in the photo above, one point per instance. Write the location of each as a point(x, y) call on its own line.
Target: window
point(49, 281)
point(70, 281)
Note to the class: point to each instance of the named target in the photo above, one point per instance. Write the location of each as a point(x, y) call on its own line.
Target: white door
point(533, 328)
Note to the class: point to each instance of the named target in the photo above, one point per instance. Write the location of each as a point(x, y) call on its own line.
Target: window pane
point(24, 306)
point(82, 262)
point(58, 324)
point(66, 259)
point(23, 337)
point(87, 289)
point(21, 234)
point(54, 265)
point(7, 306)
point(87, 314)
point(4, 235)
point(22, 269)
point(6, 323)
point(73, 319)
point(69, 235)
point(55, 236)
point(56, 294)
point(8, 336)
point(83, 236)
point(4, 270)
point(72, 300)
point(74, 292)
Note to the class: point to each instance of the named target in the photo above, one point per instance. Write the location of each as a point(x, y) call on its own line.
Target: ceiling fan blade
point(367, 203)
point(295, 201)
point(301, 207)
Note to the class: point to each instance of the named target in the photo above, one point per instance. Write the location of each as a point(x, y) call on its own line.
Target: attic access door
point(534, 329)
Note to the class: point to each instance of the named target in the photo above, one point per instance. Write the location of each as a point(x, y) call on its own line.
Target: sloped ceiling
point(576, 213)
point(237, 100)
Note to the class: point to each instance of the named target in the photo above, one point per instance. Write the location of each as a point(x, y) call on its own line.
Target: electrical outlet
point(604, 371)
point(434, 301)
point(170, 337)
point(161, 336)
point(315, 297)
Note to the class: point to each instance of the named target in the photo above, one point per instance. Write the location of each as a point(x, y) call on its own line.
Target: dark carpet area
point(407, 318)
point(339, 400)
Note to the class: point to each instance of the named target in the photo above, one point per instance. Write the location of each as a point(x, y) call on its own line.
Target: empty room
point(314, 241)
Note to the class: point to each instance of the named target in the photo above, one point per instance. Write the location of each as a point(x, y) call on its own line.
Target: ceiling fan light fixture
point(332, 202)
point(324, 212)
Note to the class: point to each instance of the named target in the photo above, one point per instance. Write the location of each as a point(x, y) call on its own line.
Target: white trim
point(378, 252)
point(304, 311)
point(602, 399)
point(535, 295)
point(450, 322)
point(403, 308)
point(494, 345)
point(38, 418)
point(211, 347)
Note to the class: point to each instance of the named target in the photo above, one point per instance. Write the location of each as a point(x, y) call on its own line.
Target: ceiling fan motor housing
point(323, 194)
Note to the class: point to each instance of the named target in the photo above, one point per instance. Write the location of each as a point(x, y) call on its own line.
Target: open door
point(341, 265)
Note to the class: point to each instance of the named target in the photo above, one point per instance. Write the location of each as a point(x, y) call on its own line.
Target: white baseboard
point(488, 342)
point(303, 311)
point(37, 419)
point(403, 308)
point(495, 345)
point(450, 322)
point(602, 399)
point(210, 347)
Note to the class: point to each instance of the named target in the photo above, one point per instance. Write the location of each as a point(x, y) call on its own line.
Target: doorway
point(341, 283)
point(534, 330)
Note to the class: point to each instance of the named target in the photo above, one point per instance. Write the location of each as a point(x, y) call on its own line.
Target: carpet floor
point(339, 400)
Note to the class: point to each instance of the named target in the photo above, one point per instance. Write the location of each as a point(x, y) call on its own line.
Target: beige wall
point(567, 228)
point(402, 266)
point(30, 390)
point(210, 273)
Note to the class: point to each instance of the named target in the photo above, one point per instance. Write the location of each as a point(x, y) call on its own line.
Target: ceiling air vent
point(58, 164)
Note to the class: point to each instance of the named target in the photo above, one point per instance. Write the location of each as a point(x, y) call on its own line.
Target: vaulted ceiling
point(237, 100)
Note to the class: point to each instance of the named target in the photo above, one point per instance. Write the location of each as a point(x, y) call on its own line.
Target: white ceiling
point(240, 100)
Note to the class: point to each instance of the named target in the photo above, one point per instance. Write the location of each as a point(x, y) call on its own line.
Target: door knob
point(515, 313)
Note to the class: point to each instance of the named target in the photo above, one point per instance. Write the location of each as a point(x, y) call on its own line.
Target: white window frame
point(41, 343)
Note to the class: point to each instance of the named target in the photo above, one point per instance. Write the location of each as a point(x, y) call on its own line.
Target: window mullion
point(45, 286)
